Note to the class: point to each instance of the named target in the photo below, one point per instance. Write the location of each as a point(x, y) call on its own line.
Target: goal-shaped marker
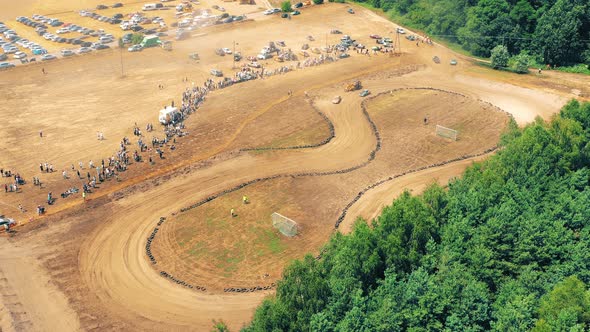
point(286, 226)
point(447, 132)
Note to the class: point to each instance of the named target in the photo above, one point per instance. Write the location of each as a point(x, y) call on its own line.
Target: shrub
point(521, 63)
point(286, 6)
point(500, 57)
point(136, 38)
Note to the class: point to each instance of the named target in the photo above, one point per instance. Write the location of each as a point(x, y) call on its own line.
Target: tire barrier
point(180, 282)
point(148, 245)
point(380, 182)
point(344, 212)
point(306, 146)
point(249, 289)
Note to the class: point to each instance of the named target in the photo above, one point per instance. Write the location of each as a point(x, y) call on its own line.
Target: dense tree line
point(553, 31)
point(506, 248)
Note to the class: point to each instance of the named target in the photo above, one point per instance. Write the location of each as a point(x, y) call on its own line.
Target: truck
point(169, 114)
point(150, 41)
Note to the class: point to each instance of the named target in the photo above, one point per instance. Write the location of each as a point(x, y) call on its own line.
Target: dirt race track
point(83, 266)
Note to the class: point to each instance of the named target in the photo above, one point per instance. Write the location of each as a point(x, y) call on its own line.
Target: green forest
point(506, 247)
point(555, 32)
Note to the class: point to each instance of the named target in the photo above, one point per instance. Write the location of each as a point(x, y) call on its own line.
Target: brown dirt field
point(207, 247)
point(87, 262)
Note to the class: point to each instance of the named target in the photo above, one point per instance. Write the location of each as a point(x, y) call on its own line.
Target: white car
point(67, 53)
point(83, 50)
point(226, 50)
point(47, 57)
point(268, 12)
point(19, 55)
point(135, 48)
point(401, 31)
point(63, 30)
point(263, 56)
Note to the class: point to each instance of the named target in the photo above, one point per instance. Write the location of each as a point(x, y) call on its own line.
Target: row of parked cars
point(11, 41)
point(115, 5)
point(115, 19)
point(135, 20)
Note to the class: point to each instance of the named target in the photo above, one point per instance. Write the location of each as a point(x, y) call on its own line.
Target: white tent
point(168, 114)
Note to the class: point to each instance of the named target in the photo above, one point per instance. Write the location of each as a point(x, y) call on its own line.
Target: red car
point(375, 36)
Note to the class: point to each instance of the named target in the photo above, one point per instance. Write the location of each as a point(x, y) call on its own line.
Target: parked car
point(66, 53)
point(365, 93)
point(101, 7)
point(350, 11)
point(117, 5)
point(453, 62)
point(102, 47)
point(264, 56)
point(6, 65)
point(47, 57)
point(401, 31)
point(3, 57)
point(226, 50)
point(83, 50)
point(19, 55)
point(216, 72)
point(135, 48)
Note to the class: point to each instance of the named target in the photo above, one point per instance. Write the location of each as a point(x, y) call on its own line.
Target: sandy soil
point(86, 263)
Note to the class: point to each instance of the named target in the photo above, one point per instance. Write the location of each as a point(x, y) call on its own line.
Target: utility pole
point(121, 46)
point(398, 42)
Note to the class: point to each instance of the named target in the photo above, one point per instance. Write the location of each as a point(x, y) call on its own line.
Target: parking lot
point(37, 37)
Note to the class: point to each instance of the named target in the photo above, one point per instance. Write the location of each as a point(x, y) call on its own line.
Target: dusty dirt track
point(87, 263)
